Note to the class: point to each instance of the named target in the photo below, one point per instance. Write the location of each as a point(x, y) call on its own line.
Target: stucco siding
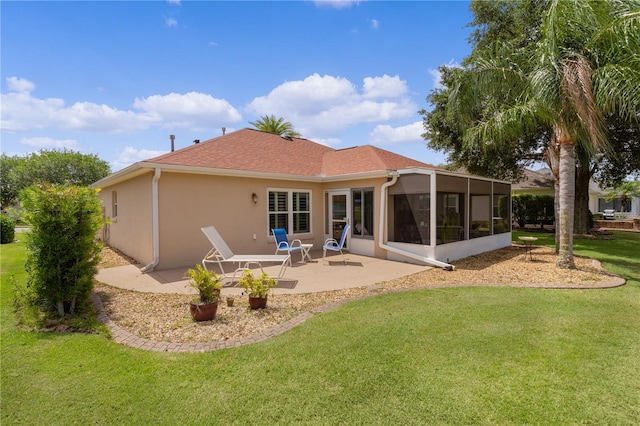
point(130, 231)
point(189, 202)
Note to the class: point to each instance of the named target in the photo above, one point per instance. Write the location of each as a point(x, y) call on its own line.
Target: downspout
point(154, 223)
point(381, 226)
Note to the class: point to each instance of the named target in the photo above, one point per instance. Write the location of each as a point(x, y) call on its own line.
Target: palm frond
point(617, 89)
point(545, 84)
point(619, 38)
point(506, 125)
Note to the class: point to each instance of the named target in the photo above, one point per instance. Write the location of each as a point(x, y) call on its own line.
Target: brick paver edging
point(122, 336)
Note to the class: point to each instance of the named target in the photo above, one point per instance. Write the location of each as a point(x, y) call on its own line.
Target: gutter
point(154, 223)
point(382, 240)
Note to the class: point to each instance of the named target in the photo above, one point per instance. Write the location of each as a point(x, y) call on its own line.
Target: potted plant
point(208, 285)
point(257, 288)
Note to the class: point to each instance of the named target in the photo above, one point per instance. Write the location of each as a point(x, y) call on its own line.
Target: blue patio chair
point(282, 243)
point(333, 245)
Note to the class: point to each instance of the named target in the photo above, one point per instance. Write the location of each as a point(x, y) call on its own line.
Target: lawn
point(448, 356)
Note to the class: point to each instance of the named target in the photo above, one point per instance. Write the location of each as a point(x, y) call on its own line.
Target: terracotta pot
point(257, 302)
point(203, 311)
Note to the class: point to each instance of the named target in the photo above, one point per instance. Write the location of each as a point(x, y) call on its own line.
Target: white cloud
point(176, 2)
point(325, 105)
point(130, 155)
point(338, 4)
point(384, 87)
point(48, 143)
point(332, 142)
point(192, 110)
point(19, 85)
point(170, 22)
point(375, 24)
point(314, 93)
point(102, 118)
point(387, 135)
point(23, 112)
point(437, 75)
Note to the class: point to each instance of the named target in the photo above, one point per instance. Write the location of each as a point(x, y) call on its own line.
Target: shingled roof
point(257, 151)
point(541, 179)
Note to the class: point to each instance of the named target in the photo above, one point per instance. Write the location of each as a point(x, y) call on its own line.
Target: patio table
point(528, 244)
point(306, 248)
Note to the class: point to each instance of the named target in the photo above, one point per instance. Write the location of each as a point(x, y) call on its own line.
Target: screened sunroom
point(442, 216)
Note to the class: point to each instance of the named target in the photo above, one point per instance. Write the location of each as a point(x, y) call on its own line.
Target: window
point(362, 211)
point(290, 210)
point(114, 204)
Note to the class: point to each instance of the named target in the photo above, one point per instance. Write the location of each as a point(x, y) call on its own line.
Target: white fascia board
point(133, 170)
point(464, 175)
point(357, 176)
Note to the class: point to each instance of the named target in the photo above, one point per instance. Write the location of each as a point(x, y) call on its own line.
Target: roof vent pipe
point(224, 130)
point(173, 138)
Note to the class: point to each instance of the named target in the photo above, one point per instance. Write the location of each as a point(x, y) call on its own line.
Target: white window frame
point(290, 212)
point(114, 205)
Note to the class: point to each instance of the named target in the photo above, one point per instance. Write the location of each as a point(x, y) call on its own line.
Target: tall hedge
point(537, 209)
point(62, 252)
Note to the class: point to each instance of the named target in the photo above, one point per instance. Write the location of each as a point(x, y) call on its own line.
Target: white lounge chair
point(334, 245)
point(221, 253)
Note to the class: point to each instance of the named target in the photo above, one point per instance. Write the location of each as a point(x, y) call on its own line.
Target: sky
point(115, 79)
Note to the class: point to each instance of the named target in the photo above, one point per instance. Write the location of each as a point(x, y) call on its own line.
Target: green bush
point(62, 253)
point(536, 209)
point(7, 229)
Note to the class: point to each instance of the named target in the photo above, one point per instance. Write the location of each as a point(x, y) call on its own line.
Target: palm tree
point(271, 124)
point(586, 64)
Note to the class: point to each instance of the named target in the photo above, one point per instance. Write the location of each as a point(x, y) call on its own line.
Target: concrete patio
point(310, 277)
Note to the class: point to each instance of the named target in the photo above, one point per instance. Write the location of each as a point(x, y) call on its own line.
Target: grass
point(506, 356)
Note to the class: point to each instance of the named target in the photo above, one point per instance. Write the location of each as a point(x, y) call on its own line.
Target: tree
point(624, 138)
point(10, 185)
point(63, 167)
point(586, 64)
point(519, 25)
point(626, 191)
point(271, 124)
point(48, 166)
point(497, 24)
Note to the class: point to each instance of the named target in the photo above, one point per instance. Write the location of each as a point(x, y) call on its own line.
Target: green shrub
point(62, 253)
point(536, 209)
point(7, 229)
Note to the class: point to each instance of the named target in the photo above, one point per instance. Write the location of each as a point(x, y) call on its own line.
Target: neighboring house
point(541, 182)
point(632, 209)
point(247, 182)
